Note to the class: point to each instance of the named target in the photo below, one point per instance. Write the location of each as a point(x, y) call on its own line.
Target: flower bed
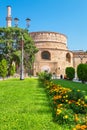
point(69, 106)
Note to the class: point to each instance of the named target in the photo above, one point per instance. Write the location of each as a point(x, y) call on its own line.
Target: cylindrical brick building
point(53, 55)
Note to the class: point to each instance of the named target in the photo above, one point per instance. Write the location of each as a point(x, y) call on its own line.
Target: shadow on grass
point(42, 100)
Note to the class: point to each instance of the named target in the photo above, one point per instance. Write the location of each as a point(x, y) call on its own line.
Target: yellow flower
point(79, 100)
point(78, 103)
point(74, 129)
point(66, 95)
point(82, 102)
point(58, 111)
point(66, 100)
point(78, 90)
point(66, 116)
point(78, 126)
point(59, 105)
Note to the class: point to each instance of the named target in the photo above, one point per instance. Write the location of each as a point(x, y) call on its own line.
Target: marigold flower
point(66, 96)
point(82, 102)
point(78, 90)
point(66, 116)
point(66, 100)
point(74, 129)
point(78, 103)
point(56, 97)
point(58, 111)
point(59, 105)
point(83, 127)
point(79, 99)
point(76, 117)
point(85, 105)
point(78, 126)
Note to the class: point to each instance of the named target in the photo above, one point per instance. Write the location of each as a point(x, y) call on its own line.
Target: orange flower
point(76, 117)
point(59, 105)
point(83, 127)
point(78, 126)
point(56, 97)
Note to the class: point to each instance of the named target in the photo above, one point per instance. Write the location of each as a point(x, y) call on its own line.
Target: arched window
point(68, 57)
point(45, 55)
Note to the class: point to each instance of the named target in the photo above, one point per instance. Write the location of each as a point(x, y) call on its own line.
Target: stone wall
point(79, 57)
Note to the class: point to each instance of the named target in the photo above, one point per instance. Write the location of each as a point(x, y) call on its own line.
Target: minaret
point(8, 18)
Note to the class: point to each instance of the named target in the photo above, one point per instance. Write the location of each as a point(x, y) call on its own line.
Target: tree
point(3, 68)
point(29, 57)
point(10, 49)
point(82, 72)
point(12, 70)
point(70, 73)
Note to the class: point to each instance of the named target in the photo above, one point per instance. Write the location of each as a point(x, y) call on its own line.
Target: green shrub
point(12, 70)
point(3, 68)
point(75, 95)
point(70, 73)
point(43, 76)
point(64, 116)
point(82, 72)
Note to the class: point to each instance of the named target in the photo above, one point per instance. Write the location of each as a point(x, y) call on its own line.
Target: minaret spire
point(8, 18)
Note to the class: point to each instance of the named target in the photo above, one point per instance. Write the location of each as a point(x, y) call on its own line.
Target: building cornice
point(49, 32)
point(48, 49)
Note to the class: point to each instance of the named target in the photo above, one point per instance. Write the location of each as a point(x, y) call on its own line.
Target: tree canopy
point(10, 46)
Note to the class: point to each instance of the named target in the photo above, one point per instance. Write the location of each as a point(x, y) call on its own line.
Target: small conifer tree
point(3, 68)
point(12, 70)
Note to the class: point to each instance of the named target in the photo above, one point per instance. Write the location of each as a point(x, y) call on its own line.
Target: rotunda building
point(53, 55)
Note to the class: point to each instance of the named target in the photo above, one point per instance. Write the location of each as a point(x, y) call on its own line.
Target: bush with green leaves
point(3, 68)
point(70, 73)
point(77, 100)
point(75, 95)
point(82, 72)
point(43, 76)
point(12, 70)
point(64, 116)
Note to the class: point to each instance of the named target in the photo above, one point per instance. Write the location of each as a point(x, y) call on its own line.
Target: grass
point(72, 85)
point(24, 106)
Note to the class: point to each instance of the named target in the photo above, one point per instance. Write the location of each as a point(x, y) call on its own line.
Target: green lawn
point(25, 106)
point(72, 85)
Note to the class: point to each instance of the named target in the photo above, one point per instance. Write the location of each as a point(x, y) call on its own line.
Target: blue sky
point(63, 16)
